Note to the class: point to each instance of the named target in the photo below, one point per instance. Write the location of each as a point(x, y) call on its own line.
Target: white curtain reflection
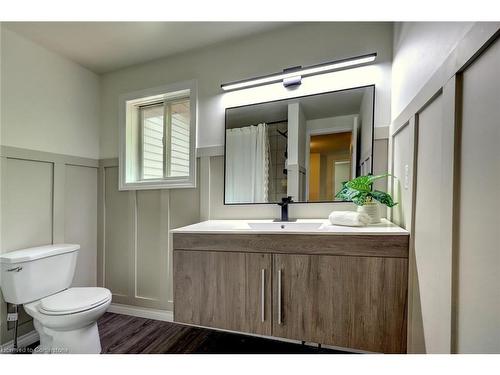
point(247, 164)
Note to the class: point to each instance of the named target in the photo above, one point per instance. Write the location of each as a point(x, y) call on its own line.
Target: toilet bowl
point(39, 278)
point(67, 321)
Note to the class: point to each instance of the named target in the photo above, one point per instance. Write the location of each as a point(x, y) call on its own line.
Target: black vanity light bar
point(299, 72)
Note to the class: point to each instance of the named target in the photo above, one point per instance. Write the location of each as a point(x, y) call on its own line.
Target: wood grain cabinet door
point(347, 301)
point(223, 290)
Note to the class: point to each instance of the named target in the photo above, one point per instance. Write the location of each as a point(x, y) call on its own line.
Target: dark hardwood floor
point(128, 334)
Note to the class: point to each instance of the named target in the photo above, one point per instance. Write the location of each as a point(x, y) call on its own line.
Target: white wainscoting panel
point(478, 231)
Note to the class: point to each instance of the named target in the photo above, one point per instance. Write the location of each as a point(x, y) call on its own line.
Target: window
point(157, 138)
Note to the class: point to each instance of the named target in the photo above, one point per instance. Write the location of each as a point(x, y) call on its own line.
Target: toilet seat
point(74, 300)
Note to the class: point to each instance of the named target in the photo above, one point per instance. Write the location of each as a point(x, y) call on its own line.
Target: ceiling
point(106, 46)
point(339, 103)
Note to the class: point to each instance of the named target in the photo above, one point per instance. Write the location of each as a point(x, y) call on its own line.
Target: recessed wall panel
point(478, 319)
point(26, 203)
point(80, 220)
point(433, 261)
point(118, 236)
point(151, 260)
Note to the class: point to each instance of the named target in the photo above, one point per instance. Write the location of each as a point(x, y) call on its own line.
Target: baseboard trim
point(141, 312)
point(22, 341)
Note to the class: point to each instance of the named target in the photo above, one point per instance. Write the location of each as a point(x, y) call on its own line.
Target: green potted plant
point(360, 191)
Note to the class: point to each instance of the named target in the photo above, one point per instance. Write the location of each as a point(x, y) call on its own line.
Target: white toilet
point(66, 318)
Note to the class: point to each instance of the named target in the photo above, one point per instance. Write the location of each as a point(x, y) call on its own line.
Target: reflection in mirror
point(329, 164)
point(303, 147)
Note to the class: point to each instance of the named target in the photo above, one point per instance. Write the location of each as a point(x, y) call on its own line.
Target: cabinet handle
point(263, 295)
point(279, 296)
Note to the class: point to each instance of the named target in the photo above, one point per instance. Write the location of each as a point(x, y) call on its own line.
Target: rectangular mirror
point(302, 147)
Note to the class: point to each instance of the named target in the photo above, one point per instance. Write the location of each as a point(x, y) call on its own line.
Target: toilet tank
point(30, 274)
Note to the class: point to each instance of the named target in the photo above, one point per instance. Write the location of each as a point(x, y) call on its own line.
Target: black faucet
point(284, 208)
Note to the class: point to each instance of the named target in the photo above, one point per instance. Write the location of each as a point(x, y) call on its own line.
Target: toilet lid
point(74, 300)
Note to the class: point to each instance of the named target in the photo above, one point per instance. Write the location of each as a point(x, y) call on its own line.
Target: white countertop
point(301, 226)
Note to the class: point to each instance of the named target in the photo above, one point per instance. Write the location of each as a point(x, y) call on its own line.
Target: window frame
point(131, 136)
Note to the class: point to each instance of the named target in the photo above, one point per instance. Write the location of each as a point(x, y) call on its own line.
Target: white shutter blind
point(179, 139)
point(152, 141)
point(176, 152)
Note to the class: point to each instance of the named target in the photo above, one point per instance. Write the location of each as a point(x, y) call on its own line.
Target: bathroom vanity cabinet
point(346, 290)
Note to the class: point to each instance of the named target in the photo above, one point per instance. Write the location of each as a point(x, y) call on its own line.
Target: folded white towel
point(349, 218)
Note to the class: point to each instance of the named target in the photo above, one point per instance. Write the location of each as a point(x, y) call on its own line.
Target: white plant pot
point(372, 210)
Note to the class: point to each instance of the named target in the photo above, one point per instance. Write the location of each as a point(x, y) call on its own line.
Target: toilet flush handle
point(16, 269)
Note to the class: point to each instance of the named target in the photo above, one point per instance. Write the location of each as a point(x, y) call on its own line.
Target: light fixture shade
point(291, 74)
point(292, 81)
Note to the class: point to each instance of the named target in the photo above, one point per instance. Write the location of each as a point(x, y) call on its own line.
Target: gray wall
point(429, 44)
point(49, 103)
